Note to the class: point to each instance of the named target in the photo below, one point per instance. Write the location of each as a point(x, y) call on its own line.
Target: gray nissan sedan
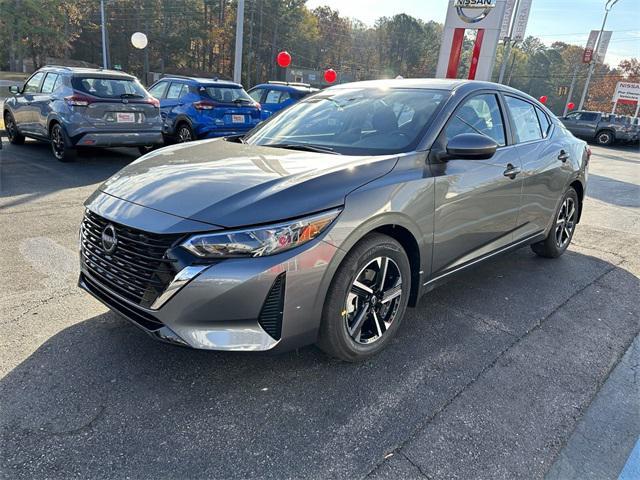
point(324, 223)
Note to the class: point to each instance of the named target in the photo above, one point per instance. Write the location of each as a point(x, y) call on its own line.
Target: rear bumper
point(117, 139)
point(213, 131)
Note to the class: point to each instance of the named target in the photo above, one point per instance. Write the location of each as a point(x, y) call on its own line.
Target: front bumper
point(221, 306)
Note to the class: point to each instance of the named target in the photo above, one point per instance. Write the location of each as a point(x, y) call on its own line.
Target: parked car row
point(73, 107)
point(602, 128)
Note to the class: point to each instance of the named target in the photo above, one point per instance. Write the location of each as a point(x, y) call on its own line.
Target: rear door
point(25, 112)
point(545, 167)
point(116, 103)
point(477, 201)
point(42, 103)
point(586, 124)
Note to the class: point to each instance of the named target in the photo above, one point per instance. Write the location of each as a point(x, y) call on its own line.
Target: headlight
point(260, 241)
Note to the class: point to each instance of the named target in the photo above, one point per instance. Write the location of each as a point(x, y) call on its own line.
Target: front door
point(25, 113)
point(477, 201)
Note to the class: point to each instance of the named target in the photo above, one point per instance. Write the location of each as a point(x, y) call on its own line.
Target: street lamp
point(592, 65)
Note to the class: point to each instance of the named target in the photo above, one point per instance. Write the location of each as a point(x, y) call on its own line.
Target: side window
point(174, 91)
point(185, 91)
point(33, 85)
point(284, 96)
point(257, 94)
point(59, 82)
point(589, 117)
point(545, 125)
point(480, 114)
point(158, 89)
point(573, 116)
point(49, 82)
point(525, 121)
point(273, 96)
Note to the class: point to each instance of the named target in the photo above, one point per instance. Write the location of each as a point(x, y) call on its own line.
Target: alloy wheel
point(184, 135)
point(373, 300)
point(565, 222)
point(57, 141)
point(10, 126)
point(604, 138)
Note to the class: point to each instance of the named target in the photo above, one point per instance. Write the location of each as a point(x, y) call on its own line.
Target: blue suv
point(274, 96)
point(195, 108)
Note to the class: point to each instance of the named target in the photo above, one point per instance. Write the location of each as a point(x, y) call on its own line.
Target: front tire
point(366, 300)
point(563, 228)
point(12, 129)
point(59, 144)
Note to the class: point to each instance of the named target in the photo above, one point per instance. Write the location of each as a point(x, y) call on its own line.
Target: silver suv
point(83, 107)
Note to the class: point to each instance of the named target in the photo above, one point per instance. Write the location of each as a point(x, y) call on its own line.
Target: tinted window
point(545, 125)
point(480, 114)
point(175, 91)
point(49, 82)
point(33, 85)
point(158, 89)
point(354, 121)
point(588, 116)
point(256, 94)
point(227, 94)
point(105, 87)
point(572, 116)
point(525, 121)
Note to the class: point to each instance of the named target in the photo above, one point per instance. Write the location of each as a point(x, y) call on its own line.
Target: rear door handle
point(564, 156)
point(511, 171)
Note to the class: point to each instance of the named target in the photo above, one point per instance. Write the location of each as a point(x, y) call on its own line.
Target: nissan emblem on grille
point(109, 239)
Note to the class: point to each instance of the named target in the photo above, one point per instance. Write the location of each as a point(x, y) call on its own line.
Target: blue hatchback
point(274, 96)
point(195, 108)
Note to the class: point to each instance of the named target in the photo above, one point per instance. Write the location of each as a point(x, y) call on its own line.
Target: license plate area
point(237, 118)
point(125, 117)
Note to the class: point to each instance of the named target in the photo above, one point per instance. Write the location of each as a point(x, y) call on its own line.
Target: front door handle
point(511, 171)
point(564, 156)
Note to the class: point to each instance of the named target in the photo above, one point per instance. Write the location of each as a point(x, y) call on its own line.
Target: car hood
point(231, 184)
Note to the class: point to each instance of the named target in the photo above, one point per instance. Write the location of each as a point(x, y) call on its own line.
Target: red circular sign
point(543, 99)
point(330, 75)
point(571, 105)
point(283, 59)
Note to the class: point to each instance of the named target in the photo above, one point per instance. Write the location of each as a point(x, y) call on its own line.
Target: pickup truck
point(603, 128)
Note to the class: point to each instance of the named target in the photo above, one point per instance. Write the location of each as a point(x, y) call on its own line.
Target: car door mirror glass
point(471, 146)
point(14, 89)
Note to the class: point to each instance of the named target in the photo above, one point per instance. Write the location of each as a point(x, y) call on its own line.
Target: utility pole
point(104, 36)
point(592, 64)
point(573, 84)
point(237, 64)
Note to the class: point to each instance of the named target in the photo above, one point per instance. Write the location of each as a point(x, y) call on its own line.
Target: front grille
point(271, 314)
point(138, 269)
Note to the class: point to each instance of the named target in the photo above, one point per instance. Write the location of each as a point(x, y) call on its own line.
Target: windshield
point(354, 121)
point(227, 94)
point(108, 87)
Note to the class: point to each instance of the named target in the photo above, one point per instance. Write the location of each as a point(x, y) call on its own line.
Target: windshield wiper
point(131, 95)
point(242, 100)
point(305, 147)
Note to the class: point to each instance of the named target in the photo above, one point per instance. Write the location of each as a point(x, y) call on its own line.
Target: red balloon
point(571, 105)
point(330, 75)
point(543, 99)
point(284, 59)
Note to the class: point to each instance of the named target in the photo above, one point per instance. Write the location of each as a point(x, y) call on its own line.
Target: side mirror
point(471, 146)
point(14, 89)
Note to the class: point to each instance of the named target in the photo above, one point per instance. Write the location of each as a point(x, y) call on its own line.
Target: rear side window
point(49, 82)
point(177, 90)
point(525, 121)
point(105, 87)
point(545, 125)
point(256, 94)
point(588, 116)
point(480, 114)
point(33, 85)
point(158, 89)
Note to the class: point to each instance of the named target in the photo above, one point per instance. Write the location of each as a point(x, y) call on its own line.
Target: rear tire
point(605, 137)
point(564, 226)
point(184, 133)
point(12, 129)
point(60, 144)
point(366, 300)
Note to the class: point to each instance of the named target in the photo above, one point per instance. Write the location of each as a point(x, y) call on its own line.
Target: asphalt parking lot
point(488, 377)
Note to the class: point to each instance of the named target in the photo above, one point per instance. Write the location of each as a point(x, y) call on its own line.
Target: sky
point(551, 20)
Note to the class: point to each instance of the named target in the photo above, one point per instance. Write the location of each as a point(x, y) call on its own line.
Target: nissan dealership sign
point(627, 93)
point(472, 11)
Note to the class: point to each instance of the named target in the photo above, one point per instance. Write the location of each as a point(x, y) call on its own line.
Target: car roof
point(202, 81)
point(84, 71)
point(286, 87)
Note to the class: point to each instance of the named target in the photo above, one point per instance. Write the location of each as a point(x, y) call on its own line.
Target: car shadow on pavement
point(30, 171)
point(616, 192)
point(102, 399)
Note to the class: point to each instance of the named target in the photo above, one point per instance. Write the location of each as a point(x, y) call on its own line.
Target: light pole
point(592, 64)
point(237, 64)
point(105, 63)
